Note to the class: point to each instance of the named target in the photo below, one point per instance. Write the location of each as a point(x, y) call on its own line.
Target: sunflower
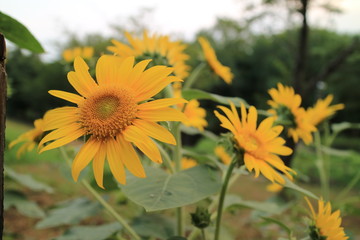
point(195, 115)
point(70, 54)
point(323, 110)
point(210, 56)
point(30, 138)
point(113, 113)
point(260, 145)
point(156, 47)
point(221, 153)
point(286, 107)
point(274, 187)
point(326, 225)
point(187, 163)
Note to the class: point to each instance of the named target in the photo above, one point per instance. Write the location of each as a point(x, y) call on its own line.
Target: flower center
point(108, 112)
point(251, 144)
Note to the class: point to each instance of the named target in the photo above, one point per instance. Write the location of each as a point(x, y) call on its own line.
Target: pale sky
point(48, 19)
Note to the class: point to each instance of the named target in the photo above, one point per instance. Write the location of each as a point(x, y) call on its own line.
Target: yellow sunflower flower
point(70, 54)
point(30, 138)
point(260, 145)
point(286, 107)
point(323, 110)
point(114, 114)
point(210, 56)
point(274, 187)
point(326, 225)
point(156, 47)
point(222, 155)
point(195, 115)
point(187, 163)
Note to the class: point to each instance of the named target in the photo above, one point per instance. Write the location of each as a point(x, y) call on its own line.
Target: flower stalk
point(107, 206)
point(222, 198)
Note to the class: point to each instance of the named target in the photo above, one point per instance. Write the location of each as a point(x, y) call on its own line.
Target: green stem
point(348, 187)
point(107, 206)
point(194, 75)
point(212, 206)
point(321, 167)
point(203, 234)
point(177, 154)
point(222, 198)
point(111, 210)
point(166, 158)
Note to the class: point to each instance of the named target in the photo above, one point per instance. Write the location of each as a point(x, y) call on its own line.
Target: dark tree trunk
point(2, 125)
point(301, 58)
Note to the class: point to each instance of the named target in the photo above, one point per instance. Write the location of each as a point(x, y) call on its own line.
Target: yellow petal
point(59, 133)
point(64, 140)
point(161, 103)
point(74, 98)
point(143, 142)
point(98, 165)
point(130, 158)
point(84, 156)
point(116, 166)
point(155, 131)
point(161, 114)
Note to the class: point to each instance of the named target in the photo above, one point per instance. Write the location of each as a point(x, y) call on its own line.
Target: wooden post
point(2, 125)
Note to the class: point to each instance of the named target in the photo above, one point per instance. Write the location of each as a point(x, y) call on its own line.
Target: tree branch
point(333, 65)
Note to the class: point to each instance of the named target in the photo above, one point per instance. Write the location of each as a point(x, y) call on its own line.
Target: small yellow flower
point(326, 225)
point(187, 163)
point(223, 155)
point(210, 56)
point(30, 138)
point(156, 47)
point(115, 114)
point(274, 187)
point(261, 145)
point(286, 107)
point(70, 54)
point(195, 115)
point(323, 110)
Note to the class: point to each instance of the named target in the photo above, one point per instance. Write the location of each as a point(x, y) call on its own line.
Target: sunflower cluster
point(70, 54)
point(300, 123)
point(119, 113)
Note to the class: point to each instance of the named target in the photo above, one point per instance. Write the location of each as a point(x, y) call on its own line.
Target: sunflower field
point(146, 136)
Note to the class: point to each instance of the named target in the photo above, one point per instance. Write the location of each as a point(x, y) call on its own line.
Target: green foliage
point(232, 201)
point(154, 225)
point(22, 204)
point(290, 184)
point(90, 232)
point(160, 190)
point(69, 212)
point(19, 34)
point(199, 94)
point(27, 181)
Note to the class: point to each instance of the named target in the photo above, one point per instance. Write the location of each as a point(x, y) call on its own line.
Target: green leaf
point(267, 207)
point(290, 184)
point(195, 131)
point(177, 238)
point(91, 232)
point(27, 181)
point(339, 127)
point(22, 204)
point(199, 94)
point(69, 212)
point(160, 190)
point(18, 34)
point(153, 225)
point(280, 224)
